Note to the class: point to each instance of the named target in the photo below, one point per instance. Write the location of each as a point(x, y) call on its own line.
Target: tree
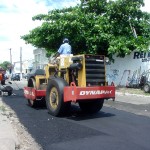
point(5, 65)
point(96, 27)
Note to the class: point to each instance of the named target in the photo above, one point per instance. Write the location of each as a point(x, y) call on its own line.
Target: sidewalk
point(8, 136)
point(132, 96)
point(126, 98)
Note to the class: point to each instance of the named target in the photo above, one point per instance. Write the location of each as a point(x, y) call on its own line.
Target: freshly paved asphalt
point(110, 129)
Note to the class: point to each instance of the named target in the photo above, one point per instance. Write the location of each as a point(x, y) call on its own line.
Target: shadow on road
point(79, 115)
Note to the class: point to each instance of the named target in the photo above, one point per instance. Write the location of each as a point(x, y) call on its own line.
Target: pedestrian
point(3, 79)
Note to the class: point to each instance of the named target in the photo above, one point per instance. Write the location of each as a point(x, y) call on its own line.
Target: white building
point(40, 59)
point(26, 67)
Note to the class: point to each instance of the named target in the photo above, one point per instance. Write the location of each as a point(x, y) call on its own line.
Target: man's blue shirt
point(64, 49)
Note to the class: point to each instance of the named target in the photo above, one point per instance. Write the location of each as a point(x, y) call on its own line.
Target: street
point(118, 125)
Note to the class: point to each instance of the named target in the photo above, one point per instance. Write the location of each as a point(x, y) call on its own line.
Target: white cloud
point(16, 20)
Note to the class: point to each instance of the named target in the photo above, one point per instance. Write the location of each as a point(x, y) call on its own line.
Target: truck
point(70, 79)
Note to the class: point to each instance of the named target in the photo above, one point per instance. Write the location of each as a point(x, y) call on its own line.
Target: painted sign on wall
point(127, 71)
point(145, 57)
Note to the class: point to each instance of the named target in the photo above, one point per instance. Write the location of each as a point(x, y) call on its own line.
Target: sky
point(16, 20)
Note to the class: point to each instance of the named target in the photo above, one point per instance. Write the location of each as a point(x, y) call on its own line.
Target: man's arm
point(56, 55)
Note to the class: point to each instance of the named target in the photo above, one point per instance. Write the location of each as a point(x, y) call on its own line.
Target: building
point(40, 59)
point(26, 67)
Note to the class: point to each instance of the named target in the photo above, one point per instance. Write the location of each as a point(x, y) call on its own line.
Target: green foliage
point(95, 27)
point(5, 65)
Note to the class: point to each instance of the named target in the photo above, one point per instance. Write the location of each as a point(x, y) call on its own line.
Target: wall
point(127, 71)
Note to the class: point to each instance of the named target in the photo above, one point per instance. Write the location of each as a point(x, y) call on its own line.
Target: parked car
point(25, 76)
point(15, 77)
point(145, 82)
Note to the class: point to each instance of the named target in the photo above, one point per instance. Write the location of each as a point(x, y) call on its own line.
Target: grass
point(2, 108)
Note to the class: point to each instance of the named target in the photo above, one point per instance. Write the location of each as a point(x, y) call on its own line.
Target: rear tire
point(54, 97)
point(146, 88)
point(9, 89)
point(31, 83)
point(91, 106)
point(3, 82)
point(9, 93)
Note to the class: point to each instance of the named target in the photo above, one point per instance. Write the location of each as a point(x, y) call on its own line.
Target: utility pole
point(20, 62)
point(10, 56)
point(10, 70)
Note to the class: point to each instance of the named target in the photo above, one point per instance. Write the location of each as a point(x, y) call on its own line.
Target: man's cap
point(65, 40)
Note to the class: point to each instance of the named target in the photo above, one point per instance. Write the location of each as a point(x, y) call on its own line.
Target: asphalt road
point(110, 129)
